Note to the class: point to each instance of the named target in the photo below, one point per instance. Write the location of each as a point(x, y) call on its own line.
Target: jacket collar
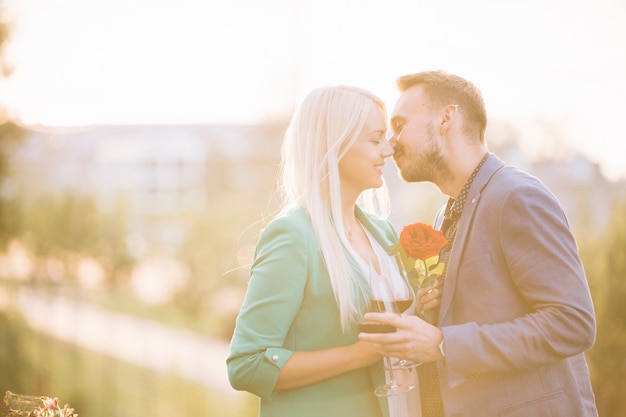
point(375, 230)
point(492, 165)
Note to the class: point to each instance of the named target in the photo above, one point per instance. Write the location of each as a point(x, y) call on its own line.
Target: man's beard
point(430, 165)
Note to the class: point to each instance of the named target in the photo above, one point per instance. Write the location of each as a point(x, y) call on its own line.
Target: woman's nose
point(392, 138)
point(388, 149)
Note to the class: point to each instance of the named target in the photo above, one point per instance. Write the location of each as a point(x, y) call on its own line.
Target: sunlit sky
point(547, 67)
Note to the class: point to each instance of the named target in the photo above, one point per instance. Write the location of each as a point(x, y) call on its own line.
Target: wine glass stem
point(392, 377)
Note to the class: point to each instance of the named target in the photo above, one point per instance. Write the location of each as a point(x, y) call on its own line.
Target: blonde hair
point(323, 128)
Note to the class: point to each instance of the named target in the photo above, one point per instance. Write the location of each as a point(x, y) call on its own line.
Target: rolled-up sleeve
point(259, 348)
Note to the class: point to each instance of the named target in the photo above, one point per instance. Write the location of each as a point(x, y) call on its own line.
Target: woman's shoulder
point(292, 222)
point(296, 217)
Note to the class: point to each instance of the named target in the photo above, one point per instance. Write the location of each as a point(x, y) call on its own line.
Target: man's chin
point(404, 168)
point(403, 174)
point(408, 175)
point(400, 162)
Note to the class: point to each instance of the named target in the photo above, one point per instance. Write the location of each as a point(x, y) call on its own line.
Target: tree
point(606, 267)
point(10, 137)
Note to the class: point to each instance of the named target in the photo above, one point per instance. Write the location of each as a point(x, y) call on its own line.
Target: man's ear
point(448, 116)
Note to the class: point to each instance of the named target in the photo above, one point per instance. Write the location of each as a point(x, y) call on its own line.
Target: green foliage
point(219, 240)
point(15, 371)
point(62, 223)
point(10, 215)
point(10, 219)
point(67, 225)
point(98, 386)
point(606, 269)
point(10, 136)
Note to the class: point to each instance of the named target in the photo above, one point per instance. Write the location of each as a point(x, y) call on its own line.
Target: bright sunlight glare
point(541, 64)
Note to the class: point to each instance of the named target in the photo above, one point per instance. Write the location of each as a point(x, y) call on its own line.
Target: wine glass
point(389, 294)
point(407, 289)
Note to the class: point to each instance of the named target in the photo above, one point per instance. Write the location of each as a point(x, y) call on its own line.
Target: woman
point(295, 343)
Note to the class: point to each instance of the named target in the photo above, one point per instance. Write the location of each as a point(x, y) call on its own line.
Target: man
point(515, 314)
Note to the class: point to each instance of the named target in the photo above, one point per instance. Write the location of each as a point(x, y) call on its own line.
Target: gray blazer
point(516, 311)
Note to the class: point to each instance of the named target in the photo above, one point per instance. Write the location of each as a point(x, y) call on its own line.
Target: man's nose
point(392, 138)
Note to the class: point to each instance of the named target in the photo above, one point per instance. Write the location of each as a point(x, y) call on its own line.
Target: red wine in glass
point(403, 305)
point(389, 297)
point(378, 306)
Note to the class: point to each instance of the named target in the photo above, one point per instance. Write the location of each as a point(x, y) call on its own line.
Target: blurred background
point(139, 145)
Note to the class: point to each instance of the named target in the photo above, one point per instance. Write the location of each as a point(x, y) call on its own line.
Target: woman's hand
point(365, 353)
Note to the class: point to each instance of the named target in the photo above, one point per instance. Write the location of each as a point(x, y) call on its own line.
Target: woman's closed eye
point(377, 138)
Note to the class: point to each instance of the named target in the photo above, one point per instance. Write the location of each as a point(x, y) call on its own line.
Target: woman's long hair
point(322, 129)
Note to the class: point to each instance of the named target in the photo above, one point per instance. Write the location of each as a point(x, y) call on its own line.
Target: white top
point(407, 404)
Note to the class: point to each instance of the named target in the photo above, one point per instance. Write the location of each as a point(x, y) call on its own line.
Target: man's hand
point(429, 298)
point(414, 339)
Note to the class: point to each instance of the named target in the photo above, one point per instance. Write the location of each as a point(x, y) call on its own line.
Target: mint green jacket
point(290, 306)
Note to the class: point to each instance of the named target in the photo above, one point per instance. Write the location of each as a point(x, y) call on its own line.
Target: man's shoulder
point(511, 176)
point(513, 183)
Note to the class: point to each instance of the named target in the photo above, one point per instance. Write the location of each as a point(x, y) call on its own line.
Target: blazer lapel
point(491, 166)
point(377, 233)
point(374, 230)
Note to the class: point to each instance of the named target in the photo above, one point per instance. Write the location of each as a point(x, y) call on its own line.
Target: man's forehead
point(411, 99)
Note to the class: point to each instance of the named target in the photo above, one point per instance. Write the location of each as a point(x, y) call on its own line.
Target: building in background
point(165, 172)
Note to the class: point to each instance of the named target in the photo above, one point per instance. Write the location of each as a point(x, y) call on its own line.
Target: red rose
point(421, 241)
